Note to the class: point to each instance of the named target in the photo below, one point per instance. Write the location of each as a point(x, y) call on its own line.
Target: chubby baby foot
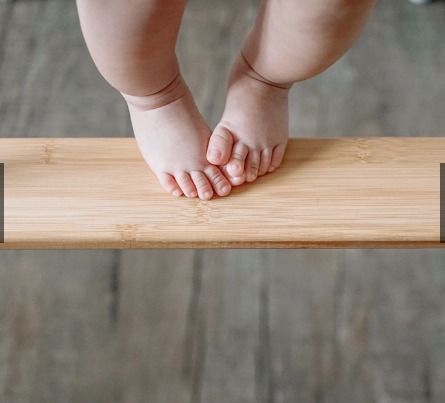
point(251, 138)
point(173, 137)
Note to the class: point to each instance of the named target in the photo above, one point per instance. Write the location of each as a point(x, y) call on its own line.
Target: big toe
point(220, 183)
point(220, 146)
point(235, 166)
point(234, 181)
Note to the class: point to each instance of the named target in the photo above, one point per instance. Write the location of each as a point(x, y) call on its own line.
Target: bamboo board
point(99, 193)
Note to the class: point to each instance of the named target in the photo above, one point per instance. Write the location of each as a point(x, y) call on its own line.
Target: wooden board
point(98, 193)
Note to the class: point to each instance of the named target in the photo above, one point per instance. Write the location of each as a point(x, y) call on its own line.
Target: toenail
point(224, 189)
point(215, 153)
point(207, 195)
point(193, 194)
point(177, 193)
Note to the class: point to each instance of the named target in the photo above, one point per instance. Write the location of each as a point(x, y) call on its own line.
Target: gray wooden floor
point(196, 326)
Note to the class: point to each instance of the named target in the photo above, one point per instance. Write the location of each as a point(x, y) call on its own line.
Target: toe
point(169, 184)
point(266, 156)
point(186, 184)
point(235, 167)
point(234, 181)
point(220, 146)
point(205, 191)
point(219, 182)
point(252, 165)
point(277, 156)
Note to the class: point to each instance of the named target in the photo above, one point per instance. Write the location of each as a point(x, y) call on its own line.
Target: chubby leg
point(291, 40)
point(133, 46)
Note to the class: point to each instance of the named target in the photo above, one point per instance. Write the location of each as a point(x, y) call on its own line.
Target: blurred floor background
point(201, 326)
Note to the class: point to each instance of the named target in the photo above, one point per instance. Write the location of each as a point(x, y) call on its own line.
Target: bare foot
point(173, 137)
point(252, 135)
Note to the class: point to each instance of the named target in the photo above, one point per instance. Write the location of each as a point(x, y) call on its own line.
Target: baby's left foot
point(252, 135)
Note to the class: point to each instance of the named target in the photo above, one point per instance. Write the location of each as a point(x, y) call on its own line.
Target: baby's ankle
point(245, 67)
point(169, 93)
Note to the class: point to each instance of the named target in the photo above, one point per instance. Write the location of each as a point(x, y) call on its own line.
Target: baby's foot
point(172, 137)
point(252, 135)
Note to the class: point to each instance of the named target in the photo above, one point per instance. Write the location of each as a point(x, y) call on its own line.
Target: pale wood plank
point(98, 193)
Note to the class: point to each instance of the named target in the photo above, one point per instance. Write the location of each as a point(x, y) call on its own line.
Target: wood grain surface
point(99, 193)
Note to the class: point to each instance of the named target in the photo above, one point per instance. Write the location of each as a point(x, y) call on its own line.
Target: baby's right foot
point(172, 137)
point(252, 136)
